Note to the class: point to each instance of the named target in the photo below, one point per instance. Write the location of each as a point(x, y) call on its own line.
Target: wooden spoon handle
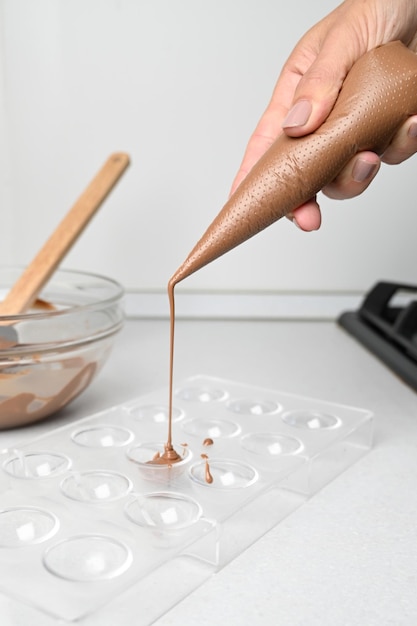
point(27, 287)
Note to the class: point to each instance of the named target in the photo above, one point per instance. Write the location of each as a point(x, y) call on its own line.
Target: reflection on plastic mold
point(96, 486)
point(271, 444)
point(226, 474)
point(247, 406)
point(311, 420)
point(88, 558)
point(36, 465)
point(210, 427)
point(164, 511)
point(201, 394)
point(102, 436)
point(155, 413)
point(23, 526)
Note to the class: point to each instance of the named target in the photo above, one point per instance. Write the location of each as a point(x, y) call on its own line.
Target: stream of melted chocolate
point(170, 455)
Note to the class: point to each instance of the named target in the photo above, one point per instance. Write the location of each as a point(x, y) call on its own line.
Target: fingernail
point(298, 115)
point(412, 131)
point(362, 170)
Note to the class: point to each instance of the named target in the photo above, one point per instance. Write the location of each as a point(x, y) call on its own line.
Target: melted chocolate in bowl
point(60, 350)
point(47, 389)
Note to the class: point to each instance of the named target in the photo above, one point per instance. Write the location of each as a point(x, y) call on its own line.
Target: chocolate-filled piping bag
point(377, 96)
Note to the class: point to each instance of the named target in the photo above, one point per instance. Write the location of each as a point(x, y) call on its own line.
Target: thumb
point(317, 90)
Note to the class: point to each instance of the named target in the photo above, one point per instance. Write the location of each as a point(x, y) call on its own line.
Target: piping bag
point(377, 96)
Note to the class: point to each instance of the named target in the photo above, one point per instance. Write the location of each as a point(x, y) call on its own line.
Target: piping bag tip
point(377, 96)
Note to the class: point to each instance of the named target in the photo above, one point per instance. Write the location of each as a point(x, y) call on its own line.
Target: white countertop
point(346, 557)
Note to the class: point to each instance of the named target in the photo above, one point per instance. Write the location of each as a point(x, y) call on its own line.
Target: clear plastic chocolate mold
point(311, 420)
point(211, 427)
point(96, 486)
point(164, 511)
point(223, 474)
point(201, 394)
point(88, 558)
point(26, 525)
point(146, 456)
point(102, 436)
point(271, 445)
point(36, 465)
point(252, 406)
point(156, 413)
point(160, 530)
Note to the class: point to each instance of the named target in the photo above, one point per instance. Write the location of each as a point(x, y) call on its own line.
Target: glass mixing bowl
point(61, 343)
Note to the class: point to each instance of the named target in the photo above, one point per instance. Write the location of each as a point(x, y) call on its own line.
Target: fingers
point(309, 85)
point(307, 217)
point(319, 86)
point(313, 101)
point(270, 125)
point(355, 177)
point(352, 181)
point(358, 174)
point(304, 95)
point(404, 144)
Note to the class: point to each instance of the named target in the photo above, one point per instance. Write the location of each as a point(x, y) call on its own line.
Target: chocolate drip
point(208, 476)
point(378, 95)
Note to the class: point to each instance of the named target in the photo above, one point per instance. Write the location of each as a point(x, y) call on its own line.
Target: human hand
point(309, 84)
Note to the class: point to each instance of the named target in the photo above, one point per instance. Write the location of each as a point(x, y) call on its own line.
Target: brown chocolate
point(43, 304)
point(208, 476)
point(168, 445)
point(377, 96)
point(168, 457)
point(18, 408)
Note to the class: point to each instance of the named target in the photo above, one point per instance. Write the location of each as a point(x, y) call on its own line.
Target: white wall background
point(179, 85)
